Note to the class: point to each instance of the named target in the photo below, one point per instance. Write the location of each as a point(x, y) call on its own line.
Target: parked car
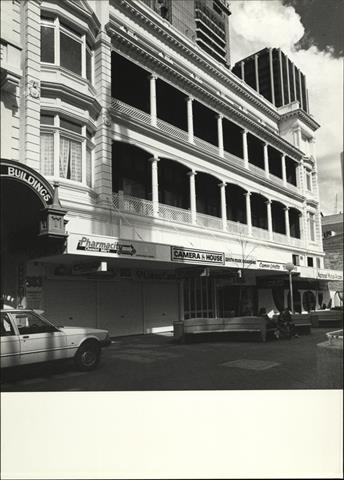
point(27, 337)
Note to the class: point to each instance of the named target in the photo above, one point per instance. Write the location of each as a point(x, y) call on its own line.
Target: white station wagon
point(27, 337)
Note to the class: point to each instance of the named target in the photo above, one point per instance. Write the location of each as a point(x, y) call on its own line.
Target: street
point(157, 362)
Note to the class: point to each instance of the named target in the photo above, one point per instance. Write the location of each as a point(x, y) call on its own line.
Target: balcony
point(145, 208)
point(127, 111)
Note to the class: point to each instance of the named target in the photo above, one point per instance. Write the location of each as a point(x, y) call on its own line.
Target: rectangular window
point(88, 167)
point(310, 262)
point(318, 262)
point(309, 181)
point(47, 44)
point(68, 125)
point(70, 53)
point(312, 226)
point(47, 119)
point(88, 64)
point(296, 260)
point(70, 159)
point(47, 154)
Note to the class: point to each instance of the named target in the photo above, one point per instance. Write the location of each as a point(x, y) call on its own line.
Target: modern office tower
point(203, 21)
point(142, 181)
point(272, 74)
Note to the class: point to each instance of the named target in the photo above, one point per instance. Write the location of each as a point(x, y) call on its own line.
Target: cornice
point(198, 152)
point(161, 28)
point(72, 96)
point(131, 46)
point(303, 116)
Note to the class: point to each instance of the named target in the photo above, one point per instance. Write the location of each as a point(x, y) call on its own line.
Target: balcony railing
point(143, 207)
point(122, 108)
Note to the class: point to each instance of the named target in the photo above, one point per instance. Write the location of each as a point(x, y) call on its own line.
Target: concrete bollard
point(178, 330)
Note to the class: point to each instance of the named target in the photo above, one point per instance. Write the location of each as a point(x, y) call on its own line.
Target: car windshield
point(29, 322)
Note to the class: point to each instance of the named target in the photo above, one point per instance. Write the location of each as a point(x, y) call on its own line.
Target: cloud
point(256, 24)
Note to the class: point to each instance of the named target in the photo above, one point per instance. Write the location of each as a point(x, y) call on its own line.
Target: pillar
point(266, 160)
point(269, 215)
point(284, 170)
point(272, 76)
point(281, 74)
point(220, 135)
point(248, 212)
point(242, 65)
point(190, 119)
point(244, 147)
point(287, 224)
point(152, 91)
point(288, 79)
point(155, 188)
point(223, 205)
point(256, 68)
point(301, 94)
point(192, 176)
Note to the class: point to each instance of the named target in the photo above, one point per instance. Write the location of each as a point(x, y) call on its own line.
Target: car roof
point(15, 310)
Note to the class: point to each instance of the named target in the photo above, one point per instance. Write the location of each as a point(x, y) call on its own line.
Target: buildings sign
point(237, 262)
point(191, 255)
point(88, 245)
point(270, 266)
point(23, 174)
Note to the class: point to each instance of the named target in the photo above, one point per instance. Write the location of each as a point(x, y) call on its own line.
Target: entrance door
point(160, 306)
point(120, 307)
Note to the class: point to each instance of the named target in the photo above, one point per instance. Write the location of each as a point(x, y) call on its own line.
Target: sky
point(310, 32)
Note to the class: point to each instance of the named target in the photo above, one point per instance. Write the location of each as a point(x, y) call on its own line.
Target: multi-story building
point(332, 229)
point(144, 182)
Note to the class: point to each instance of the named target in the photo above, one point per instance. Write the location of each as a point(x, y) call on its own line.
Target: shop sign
point(239, 262)
point(109, 247)
point(330, 275)
point(30, 178)
point(192, 255)
point(270, 266)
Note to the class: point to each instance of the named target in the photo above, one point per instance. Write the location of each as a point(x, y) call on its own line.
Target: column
point(192, 176)
point(281, 74)
point(284, 170)
point(269, 215)
point(301, 177)
point(242, 65)
point(287, 224)
point(248, 212)
point(288, 79)
point(294, 82)
point(220, 135)
point(223, 205)
point(152, 91)
point(256, 67)
point(155, 188)
point(301, 94)
point(266, 160)
point(272, 77)
point(83, 57)
point(244, 147)
point(190, 119)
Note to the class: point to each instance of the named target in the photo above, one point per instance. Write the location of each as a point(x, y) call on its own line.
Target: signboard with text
point(192, 255)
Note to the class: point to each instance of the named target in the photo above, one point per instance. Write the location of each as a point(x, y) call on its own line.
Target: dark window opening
point(47, 44)
point(204, 123)
point(250, 73)
point(310, 262)
point(290, 166)
point(259, 211)
point(294, 222)
point(285, 79)
point(236, 203)
point(277, 78)
point(207, 195)
point(264, 77)
point(173, 184)
point(171, 105)
point(275, 162)
point(255, 151)
point(232, 138)
point(278, 218)
point(291, 80)
point(70, 53)
point(129, 83)
point(131, 171)
point(296, 259)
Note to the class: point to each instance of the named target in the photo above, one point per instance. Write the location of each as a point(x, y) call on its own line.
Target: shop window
point(308, 301)
point(310, 262)
point(62, 46)
point(63, 146)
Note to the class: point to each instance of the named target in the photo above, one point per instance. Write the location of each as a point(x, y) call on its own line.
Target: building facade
point(143, 181)
point(332, 229)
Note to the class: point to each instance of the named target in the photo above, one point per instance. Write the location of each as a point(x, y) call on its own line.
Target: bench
point(194, 326)
point(302, 321)
point(327, 318)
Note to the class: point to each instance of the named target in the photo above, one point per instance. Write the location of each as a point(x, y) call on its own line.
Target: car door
point(10, 344)
point(39, 340)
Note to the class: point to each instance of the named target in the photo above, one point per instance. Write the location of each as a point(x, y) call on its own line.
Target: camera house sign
point(191, 255)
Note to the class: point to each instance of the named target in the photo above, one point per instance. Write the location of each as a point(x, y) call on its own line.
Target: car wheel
point(87, 357)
